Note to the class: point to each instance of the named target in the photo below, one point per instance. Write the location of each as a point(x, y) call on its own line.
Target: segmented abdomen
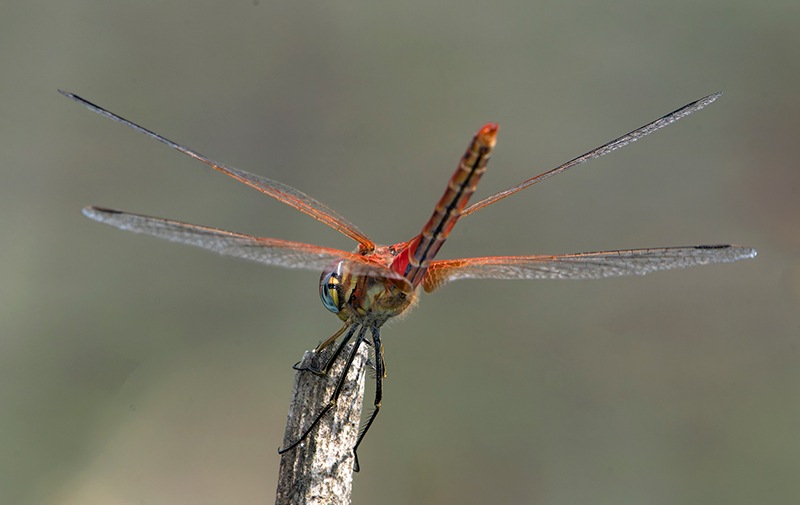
point(414, 260)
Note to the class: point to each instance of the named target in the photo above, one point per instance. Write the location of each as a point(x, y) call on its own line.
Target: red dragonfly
point(374, 283)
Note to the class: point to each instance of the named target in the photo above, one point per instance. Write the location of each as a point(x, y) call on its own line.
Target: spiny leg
point(332, 338)
point(336, 392)
point(329, 361)
point(380, 374)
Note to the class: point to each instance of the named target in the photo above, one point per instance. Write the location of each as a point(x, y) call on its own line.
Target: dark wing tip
point(98, 213)
point(738, 252)
point(71, 96)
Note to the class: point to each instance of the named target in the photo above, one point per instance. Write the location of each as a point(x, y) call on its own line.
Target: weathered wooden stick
point(320, 469)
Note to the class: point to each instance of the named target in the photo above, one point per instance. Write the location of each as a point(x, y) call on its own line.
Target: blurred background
point(137, 371)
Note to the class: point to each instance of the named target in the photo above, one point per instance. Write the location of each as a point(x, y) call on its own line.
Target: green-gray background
point(136, 371)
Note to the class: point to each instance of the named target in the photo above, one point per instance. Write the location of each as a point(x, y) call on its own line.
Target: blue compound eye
point(330, 287)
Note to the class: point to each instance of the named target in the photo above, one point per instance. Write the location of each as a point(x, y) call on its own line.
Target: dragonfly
point(368, 286)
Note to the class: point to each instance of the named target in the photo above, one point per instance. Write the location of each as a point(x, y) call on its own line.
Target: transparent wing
point(593, 265)
point(269, 251)
point(598, 151)
point(281, 192)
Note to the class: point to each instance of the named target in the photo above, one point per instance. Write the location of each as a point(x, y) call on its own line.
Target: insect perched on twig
point(374, 283)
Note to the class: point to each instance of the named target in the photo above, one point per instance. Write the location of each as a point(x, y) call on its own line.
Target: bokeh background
point(137, 371)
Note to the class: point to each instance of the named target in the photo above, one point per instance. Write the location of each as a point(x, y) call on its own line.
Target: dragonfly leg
point(330, 360)
point(332, 338)
point(339, 385)
point(380, 374)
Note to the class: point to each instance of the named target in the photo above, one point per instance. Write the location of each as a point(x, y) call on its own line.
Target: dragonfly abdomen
point(414, 261)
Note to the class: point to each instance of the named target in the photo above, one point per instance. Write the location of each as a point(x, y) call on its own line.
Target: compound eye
point(330, 287)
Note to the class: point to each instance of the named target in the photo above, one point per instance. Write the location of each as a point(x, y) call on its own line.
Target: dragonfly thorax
point(356, 293)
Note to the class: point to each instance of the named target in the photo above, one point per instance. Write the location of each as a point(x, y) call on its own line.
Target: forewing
point(269, 251)
point(598, 151)
point(594, 265)
point(278, 190)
